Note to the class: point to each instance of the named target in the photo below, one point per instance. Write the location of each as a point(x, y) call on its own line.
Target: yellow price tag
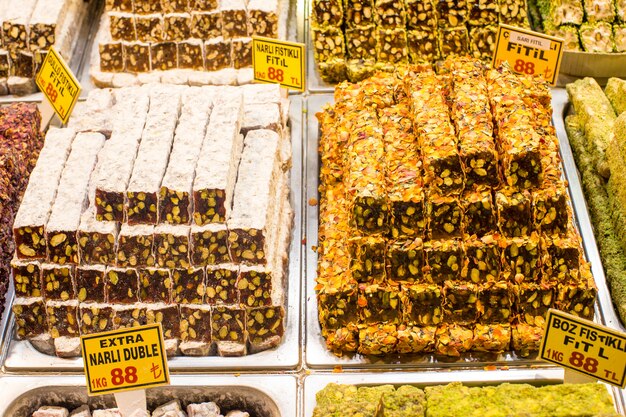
point(278, 62)
point(529, 52)
point(58, 84)
point(585, 347)
point(125, 359)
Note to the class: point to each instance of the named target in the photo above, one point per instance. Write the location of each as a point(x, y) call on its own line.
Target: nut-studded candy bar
point(361, 42)
point(209, 244)
point(482, 12)
point(405, 261)
point(492, 337)
point(563, 258)
point(337, 307)
point(216, 171)
point(550, 208)
point(15, 22)
point(242, 52)
point(147, 7)
point(149, 28)
point(137, 57)
point(422, 304)
point(578, 298)
point(203, 5)
point(206, 25)
point(122, 285)
point(95, 317)
point(265, 327)
point(377, 339)
point(122, 26)
point(345, 339)
point(22, 64)
point(221, 284)
point(155, 285)
point(119, 6)
point(128, 316)
point(26, 278)
point(495, 302)
point(217, 53)
point(328, 43)
point(460, 303)
point(513, 12)
point(168, 316)
point(90, 286)
point(422, 45)
point(153, 156)
point(177, 26)
point(391, 45)
point(389, 13)
point(4, 64)
point(444, 216)
point(171, 246)
point(255, 286)
point(451, 14)
point(188, 285)
point(478, 155)
point(191, 54)
point(327, 12)
point(379, 303)
point(521, 257)
point(30, 317)
point(334, 70)
point(526, 338)
point(453, 339)
point(62, 318)
point(444, 259)
point(415, 339)
point(453, 41)
point(134, 246)
point(359, 12)
point(483, 41)
point(482, 260)
point(228, 330)
point(58, 282)
point(420, 14)
point(514, 216)
point(96, 239)
point(175, 6)
point(532, 302)
point(479, 213)
point(111, 56)
point(367, 258)
point(234, 18)
point(38, 199)
point(164, 56)
point(263, 17)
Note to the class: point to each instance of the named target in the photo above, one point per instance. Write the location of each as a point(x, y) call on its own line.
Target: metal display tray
point(22, 356)
point(315, 383)
point(318, 356)
point(262, 396)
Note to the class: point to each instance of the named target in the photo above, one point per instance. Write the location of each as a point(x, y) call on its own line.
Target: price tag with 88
point(278, 62)
point(58, 84)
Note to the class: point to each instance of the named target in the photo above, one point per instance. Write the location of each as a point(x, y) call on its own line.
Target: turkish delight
point(127, 316)
point(206, 25)
point(191, 54)
point(492, 337)
point(228, 330)
point(454, 339)
point(265, 326)
point(221, 284)
point(533, 302)
point(163, 55)
point(58, 282)
point(217, 53)
point(135, 246)
point(404, 261)
point(495, 302)
point(482, 259)
point(514, 215)
point(171, 246)
point(596, 37)
point(483, 41)
point(327, 12)
point(359, 12)
point(26, 278)
point(149, 28)
point(422, 304)
point(241, 52)
point(30, 317)
point(188, 285)
point(460, 303)
point(391, 45)
point(169, 317)
point(379, 303)
point(96, 239)
point(420, 14)
point(479, 213)
point(122, 285)
point(451, 13)
point(177, 26)
point(521, 258)
point(155, 285)
point(377, 339)
point(234, 18)
point(95, 318)
point(62, 318)
point(263, 17)
point(90, 286)
point(122, 26)
point(422, 45)
point(137, 57)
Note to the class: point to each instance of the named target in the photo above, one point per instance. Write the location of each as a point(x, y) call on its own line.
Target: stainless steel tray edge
point(22, 356)
point(281, 389)
point(314, 383)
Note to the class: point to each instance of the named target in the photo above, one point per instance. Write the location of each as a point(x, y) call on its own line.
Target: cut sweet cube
point(171, 246)
point(265, 327)
point(155, 285)
point(533, 301)
point(206, 25)
point(599, 10)
point(367, 258)
point(563, 258)
point(521, 258)
point(495, 302)
point(122, 285)
point(361, 42)
point(62, 318)
point(90, 286)
point(391, 45)
point(177, 26)
point(327, 12)
point(405, 261)
point(550, 208)
point(420, 14)
point(137, 57)
point(234, 18)
point(26, 278)
point(460, 303)
point(454, 339)
point(514, 12)
point(228, 330)
point(111, 56)
point(482, 260)
point(217, 53)
point(379, 303)
point(96, 239)
point(579, 298)
point(526, 338)
point(483, 41)
point(263, 17)
point(453, 41)
point(389, 13)
point(195, 323)
point(221, 284)
point(482, 12)
point(514, 216)
point(188, 286)
point(175, 6)
point(492, 337)
point(479, 213)
point(423, 46)
point(95, 318)
point(477, 151)
point(164, 56)
point(168, 316)
point(377, 339)
point(134, 247)
point(445, 216)
point(444, 259)
point(30, 317)
point(415, 339)
point(359, 12)
point(422, 304)
point(122, 26)
point(209, 245)
point(568, 33)
point(149, 28)
point(58, 282)
point(328, 43)
point(191, 55)
point(129, 316)
point(241, 52)
point(451, 13)
point(255, 286)
point(337, 308)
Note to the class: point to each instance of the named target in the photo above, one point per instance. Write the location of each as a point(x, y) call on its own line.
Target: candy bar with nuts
point(216, 170)
point(38, 199)
point(46, 22)
point(96, 239)
point(171, 246)
point(90, 286)
point(483, 41)
point(155, 285)
point(423, 46)
point(526, 338)
point(153, 155)
point(482, 260)
point(460, 303)
point(367, 258)
point(203, 5)
point(404, 261)
point(221, 284)
point(137, 57)
point(234, 18)
point(129, 316)
point(255, 286)
point(482, 12)
point(95, 318)
point(563, 258)
point(420, 14)
point(122, 26)
point(265, 327)
point(451, 14)
point(177, 26)
point(191, 54)
point(379, 303)
point(521, 258)
point(514, 12)
point(453, 339)
point(149, 28)
point(163, 56)
point(495, 302)
point(514, 217)
point(550, 209)
point(619, 37)
point(206, 25)
point(228, 330)
point(492, 337)
point(532, 302)
point(15, 24)
point(30, 317)
point(217, 53)
point(327, 12)
point(175, 6)
point(415, 339)
point(122, 285)
point(578, 298)
point(359, 12)
point(596, 37)
point(389, 13)
point(111, 54)
point(147, 7)
point(62, 318)
point(241, 52)
point(568, 33)
point(168, 316)
point(444, 259)
point(444, 216)
point(337, 307)
point(391, 45)
point(361, 42)
point(26, 278)
point(328, 43)
point(176, 187)
point(22, 64)
point(422, 304)
point(377, 339)
point(135, 246)
point(188, 285)
point(263, 17)
point(479, 213)
point(453, 41)
point(333, 70)
point(4, 64)
point(58, 282)
point(119, 6)
point(209, 244)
